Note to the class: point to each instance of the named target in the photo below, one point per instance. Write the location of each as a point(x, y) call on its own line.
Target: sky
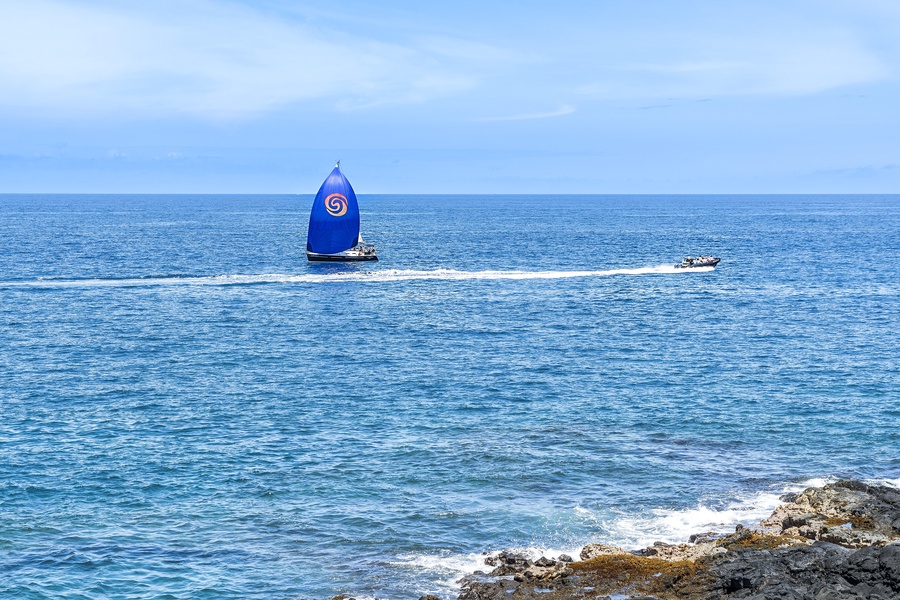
point(525, 96)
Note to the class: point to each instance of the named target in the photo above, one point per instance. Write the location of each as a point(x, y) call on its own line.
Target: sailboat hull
point(340, 257)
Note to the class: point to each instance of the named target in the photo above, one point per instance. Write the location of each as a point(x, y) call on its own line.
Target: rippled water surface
point(190, 410)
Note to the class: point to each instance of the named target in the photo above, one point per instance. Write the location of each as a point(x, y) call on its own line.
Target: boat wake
point(386, 275)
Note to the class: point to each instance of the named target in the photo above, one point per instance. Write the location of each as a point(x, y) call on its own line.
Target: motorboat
point(692, 262)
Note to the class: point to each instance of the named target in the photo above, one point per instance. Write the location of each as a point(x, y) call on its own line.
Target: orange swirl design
point(336, 205)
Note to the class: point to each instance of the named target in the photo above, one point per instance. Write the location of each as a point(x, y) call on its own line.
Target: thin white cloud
point(708, 66)
point(560, 112)
point(778, 63)
point(468, 50)
point(207, 57)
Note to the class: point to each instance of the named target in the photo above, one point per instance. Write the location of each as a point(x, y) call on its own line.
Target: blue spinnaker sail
point(334, 220)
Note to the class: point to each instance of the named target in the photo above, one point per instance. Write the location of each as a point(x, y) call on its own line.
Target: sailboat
point(333, 233)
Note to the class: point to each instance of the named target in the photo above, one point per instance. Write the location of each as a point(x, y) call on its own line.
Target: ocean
point(188, 409)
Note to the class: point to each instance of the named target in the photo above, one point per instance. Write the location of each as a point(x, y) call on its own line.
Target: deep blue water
point(190, 410)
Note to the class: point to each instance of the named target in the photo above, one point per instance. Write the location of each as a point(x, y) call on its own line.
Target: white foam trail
point(386, 275)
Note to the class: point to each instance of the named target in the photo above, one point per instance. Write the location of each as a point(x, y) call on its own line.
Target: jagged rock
point(544, 562)
point(565, 558)
point(594, 550)
point(678, 552)
point(508, 562)
point(513, 558)
point(429, 597)
point(707, 536)
point(848, 513)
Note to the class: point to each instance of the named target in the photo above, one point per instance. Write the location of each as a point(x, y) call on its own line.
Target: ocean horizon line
point(491, 194)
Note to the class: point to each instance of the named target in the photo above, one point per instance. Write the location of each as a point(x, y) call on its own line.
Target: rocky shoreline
point(839, 541)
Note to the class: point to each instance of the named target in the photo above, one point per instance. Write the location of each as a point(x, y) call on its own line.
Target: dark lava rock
point(512, 558)
point(508, 563)
point(874, 566)
point(822, 570)
point(707, 536)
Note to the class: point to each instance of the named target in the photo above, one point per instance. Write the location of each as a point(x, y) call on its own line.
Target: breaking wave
point(675, 526)
point(445, 570)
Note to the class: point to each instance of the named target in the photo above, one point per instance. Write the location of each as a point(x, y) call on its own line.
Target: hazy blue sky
point(608, 96)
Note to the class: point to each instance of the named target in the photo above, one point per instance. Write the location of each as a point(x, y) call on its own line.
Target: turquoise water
point(190, 410)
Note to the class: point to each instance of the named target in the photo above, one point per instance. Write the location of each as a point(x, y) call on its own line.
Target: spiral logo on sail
point(336, 205)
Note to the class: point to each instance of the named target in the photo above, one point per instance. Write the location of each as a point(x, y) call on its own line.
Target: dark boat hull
point(313, 257)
